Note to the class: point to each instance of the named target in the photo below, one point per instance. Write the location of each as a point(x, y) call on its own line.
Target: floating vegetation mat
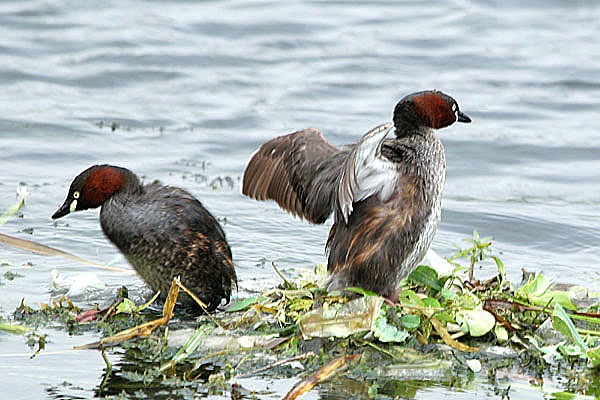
point(442, 330)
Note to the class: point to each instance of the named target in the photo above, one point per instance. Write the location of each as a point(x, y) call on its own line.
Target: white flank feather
point(365, 172)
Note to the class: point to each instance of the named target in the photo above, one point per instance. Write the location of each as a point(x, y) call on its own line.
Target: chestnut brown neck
point(104, 181)
point(420, 111)
point(433, 110)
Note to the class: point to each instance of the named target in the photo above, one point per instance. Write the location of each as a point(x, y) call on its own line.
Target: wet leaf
point(410, 321)
point(431, 302)
point(439, 328)
point(538, 291)
point(189, 347)
point(355, 316)
point(362, 291)
point(13, 210)
point(474, 365)
point(424, 275)
point(594, 357)
point(563, 324)
point(475, 322)
point(410, 298)
point(12, 328)
point(127, 307)
point(501, 333)
point(243, 305)
point(386, 332)
point(449, 294)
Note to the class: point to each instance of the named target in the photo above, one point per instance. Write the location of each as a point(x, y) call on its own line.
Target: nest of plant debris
point(442, 328)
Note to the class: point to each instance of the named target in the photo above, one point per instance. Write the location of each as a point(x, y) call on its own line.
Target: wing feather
point(299, 171)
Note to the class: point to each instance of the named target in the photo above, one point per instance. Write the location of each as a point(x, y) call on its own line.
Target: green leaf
point(538, 291)
point(410, 298)
point(535, 287)
point(555, 297)
point(466, 301)
point(362, 291)
point(424, 275)
point(445, 316)
point(126, 307)
point(572, 350)
point(431, 302)
point(410, 321)
point(12, 210)
point(563, 324)
point(501, 333)
point(449, 294)
point(246, 303)
point(564, 396)
point(17, 329)
point(386, 332)
point(301, 304)
point(500, 266)
point(594, 356)
point(475, 322)
point(189, 347)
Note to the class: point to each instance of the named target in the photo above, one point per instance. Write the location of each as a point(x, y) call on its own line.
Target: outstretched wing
point(299, 171)
point(365, 172)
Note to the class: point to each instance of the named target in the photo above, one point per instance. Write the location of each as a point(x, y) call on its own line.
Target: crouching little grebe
point(163, 231)
point(385, 192)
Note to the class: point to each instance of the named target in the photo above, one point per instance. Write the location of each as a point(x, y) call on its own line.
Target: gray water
point(192, 88)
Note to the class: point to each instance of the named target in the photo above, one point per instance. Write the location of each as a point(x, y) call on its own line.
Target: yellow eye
point(76, 195)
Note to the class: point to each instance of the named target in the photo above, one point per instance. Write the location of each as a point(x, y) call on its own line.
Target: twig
point(487, 307)
point(543, 310)
point(328, 370)
point(373, 345)
point(107, 373)
point(243, 360)
point(106, 360)
point(457, 335)
point(49, 251)
point(587, 332)
point(200, 303)
point(287, 283)
point(276, 364)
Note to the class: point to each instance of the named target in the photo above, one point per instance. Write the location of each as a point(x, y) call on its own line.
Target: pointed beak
point(463, 117)
point(62, 211)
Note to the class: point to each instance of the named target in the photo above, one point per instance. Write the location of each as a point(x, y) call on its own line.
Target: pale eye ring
point(76, 195)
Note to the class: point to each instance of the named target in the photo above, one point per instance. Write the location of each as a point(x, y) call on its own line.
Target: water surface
point(184, 92)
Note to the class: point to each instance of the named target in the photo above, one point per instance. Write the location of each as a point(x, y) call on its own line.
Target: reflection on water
point(184, 92)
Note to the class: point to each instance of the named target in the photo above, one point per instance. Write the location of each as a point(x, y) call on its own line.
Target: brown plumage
point(385, 192)
point(163, 231)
